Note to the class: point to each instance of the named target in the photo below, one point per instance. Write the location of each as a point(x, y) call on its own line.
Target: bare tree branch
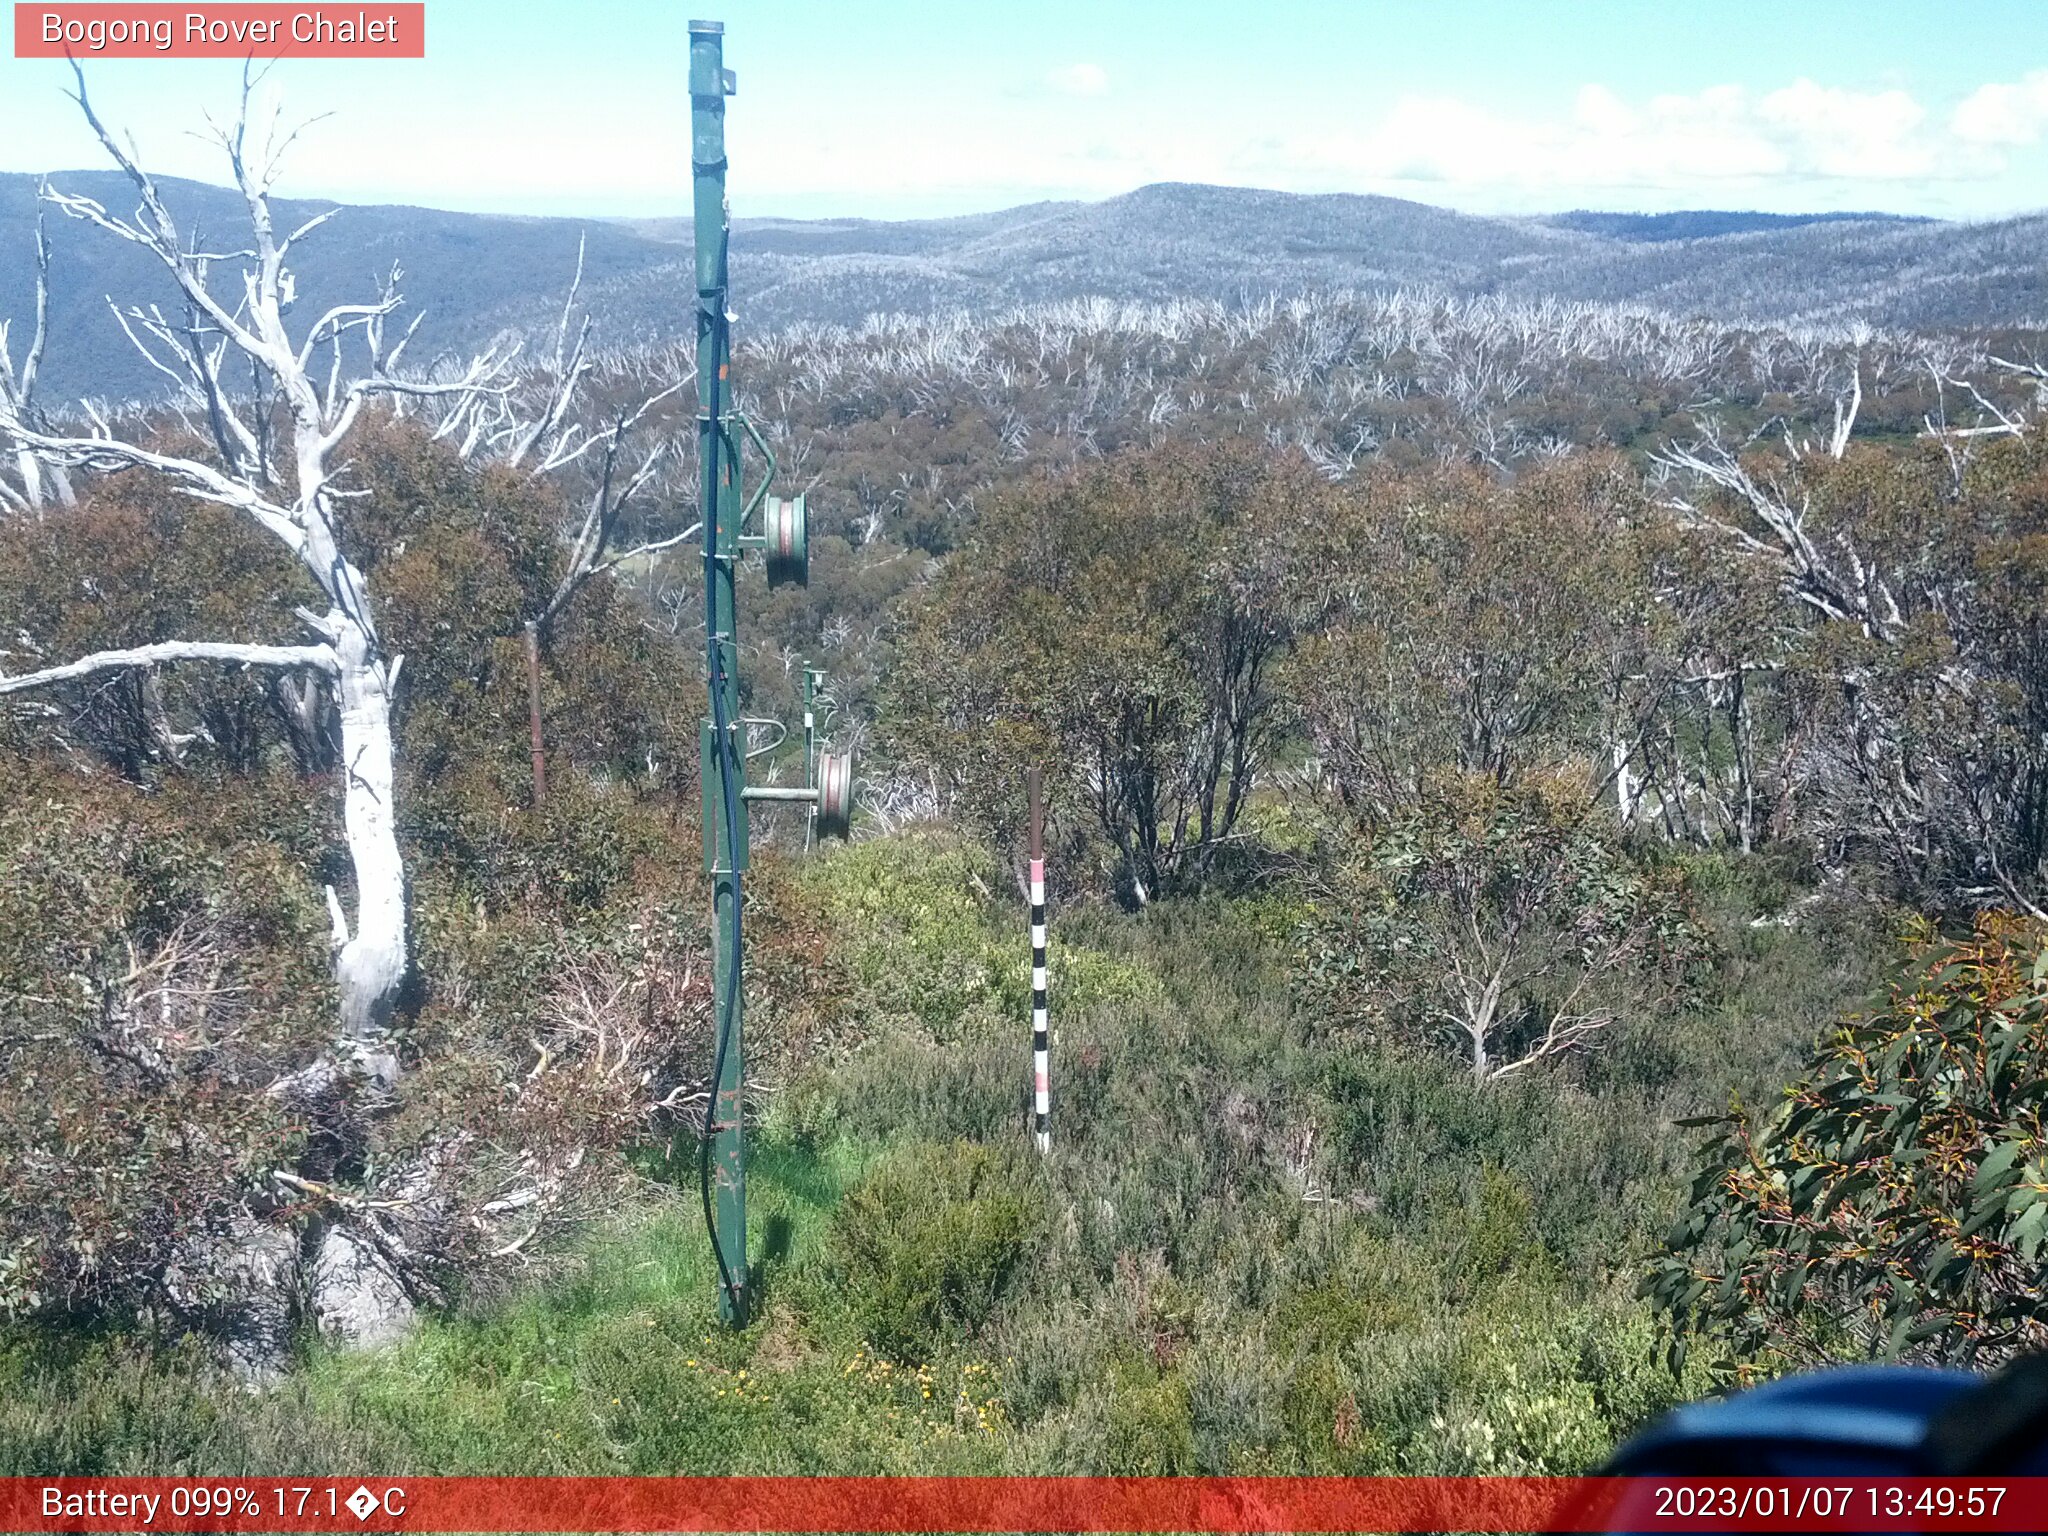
point(197, 479)
point(319, 657)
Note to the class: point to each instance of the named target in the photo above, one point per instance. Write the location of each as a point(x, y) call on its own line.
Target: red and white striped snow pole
point(1041, 1038)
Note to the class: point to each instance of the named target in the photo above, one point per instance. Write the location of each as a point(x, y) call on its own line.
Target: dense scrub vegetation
point(1466, 764)
point(161, 883)
point(1251, 1250)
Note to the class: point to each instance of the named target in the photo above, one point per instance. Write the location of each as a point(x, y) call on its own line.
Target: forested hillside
point(1537, 789)
point(481, 276)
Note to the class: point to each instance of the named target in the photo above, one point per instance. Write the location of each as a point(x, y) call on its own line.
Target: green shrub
point(1499, 1233)
point(921, 943)
point(1148, 1430)
point(1505, 924)
point(1895, 1202)
point(162, 960)
point(924, 1243)
point(932, 934)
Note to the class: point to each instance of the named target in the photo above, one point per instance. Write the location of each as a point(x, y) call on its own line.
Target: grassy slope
point(1459, 1300)
point(618, 1368)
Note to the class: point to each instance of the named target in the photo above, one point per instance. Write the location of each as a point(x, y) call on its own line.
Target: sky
point(905, 108)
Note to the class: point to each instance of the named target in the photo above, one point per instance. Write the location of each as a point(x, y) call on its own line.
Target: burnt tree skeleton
point(34, 482)
point(1836, 572)
point(370, 952)
point(276, 449)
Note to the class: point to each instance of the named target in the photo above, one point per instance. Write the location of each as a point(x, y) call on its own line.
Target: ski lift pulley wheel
point(786, 534)
point(835, 794)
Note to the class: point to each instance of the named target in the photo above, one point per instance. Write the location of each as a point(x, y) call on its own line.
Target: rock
point(355, 1295)
point(240, 1286)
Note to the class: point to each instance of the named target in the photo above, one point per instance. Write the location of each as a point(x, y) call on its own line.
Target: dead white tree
point(1764, 507)
point(1765, 510)
point(279, 446)
point(277, 443)
point(1915, 766)
point(546, 425)
point(32, 483)
point(2026, 368)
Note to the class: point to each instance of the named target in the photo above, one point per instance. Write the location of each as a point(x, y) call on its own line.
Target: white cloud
point(1856, 134)
point(1794, 144)
point(1599, 110)
point(1722, 136)
point(2004, 114)
point(1078, 80)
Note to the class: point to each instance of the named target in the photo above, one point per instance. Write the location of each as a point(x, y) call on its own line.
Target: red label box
point(1219, 1506)
point(116, 31)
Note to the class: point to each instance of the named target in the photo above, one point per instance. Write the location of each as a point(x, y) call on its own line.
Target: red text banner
point(115, 31)
point(976, 1504)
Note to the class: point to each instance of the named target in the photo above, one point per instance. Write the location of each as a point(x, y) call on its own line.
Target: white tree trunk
point(31, 471)
point(301, 510)
point(370, 961)
point(1625, 794)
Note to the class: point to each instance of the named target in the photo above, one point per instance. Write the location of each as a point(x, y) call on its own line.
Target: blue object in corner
point(1867, 1420)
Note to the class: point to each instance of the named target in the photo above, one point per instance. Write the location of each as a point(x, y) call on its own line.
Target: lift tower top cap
point(708, 27)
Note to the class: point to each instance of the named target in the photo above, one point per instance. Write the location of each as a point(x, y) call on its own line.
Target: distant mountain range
point(480, 275)
point(1705, 223)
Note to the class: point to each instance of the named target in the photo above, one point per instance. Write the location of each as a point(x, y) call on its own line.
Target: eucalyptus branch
point(319, 657)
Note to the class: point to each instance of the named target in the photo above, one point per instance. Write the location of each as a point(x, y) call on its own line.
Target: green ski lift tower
point(778, 527)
